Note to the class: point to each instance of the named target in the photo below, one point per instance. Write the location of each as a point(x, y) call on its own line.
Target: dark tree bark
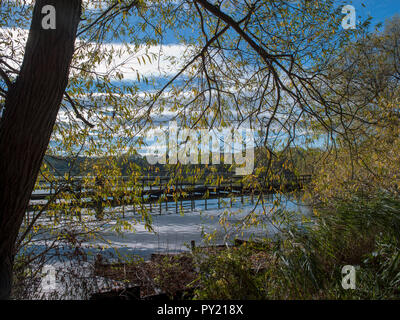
point(31, 108)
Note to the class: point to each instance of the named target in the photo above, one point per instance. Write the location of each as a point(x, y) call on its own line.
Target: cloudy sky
point(161, 69)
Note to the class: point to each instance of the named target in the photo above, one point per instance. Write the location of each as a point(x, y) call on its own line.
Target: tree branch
point(73, 105)
point(216, 11)
point(6, 79)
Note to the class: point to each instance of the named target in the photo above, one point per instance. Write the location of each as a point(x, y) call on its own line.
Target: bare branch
point(6, 79)
point(73, 105)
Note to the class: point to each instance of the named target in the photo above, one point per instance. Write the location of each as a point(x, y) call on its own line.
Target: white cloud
point(148, 61)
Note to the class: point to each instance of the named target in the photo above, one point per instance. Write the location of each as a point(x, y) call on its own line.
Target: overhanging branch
point(6, 78)
point(78, 114)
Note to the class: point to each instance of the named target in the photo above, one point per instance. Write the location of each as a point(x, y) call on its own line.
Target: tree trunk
point(31, 108)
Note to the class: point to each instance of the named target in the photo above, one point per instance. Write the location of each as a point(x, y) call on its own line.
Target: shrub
point(306, 261)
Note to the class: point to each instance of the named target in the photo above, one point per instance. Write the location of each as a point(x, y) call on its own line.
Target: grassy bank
point(306, 263)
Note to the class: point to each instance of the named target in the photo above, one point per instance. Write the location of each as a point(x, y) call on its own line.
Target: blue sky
point(378, 9)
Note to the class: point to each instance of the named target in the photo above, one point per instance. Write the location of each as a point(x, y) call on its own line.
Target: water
point(173, 233)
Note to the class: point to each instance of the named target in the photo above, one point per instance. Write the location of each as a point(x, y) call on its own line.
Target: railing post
point(176, 197)
point(149, 197)
point(180, 196)
point(231, 178)
point(241, 192)
point(205, 198)
point(192, 202)
point(218, 193)
point(160, 197)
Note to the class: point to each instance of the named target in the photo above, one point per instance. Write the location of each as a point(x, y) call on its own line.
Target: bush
point(306, 261)
point(229, 275)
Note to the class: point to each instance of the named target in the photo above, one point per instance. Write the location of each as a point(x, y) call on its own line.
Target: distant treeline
point(288, 162)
